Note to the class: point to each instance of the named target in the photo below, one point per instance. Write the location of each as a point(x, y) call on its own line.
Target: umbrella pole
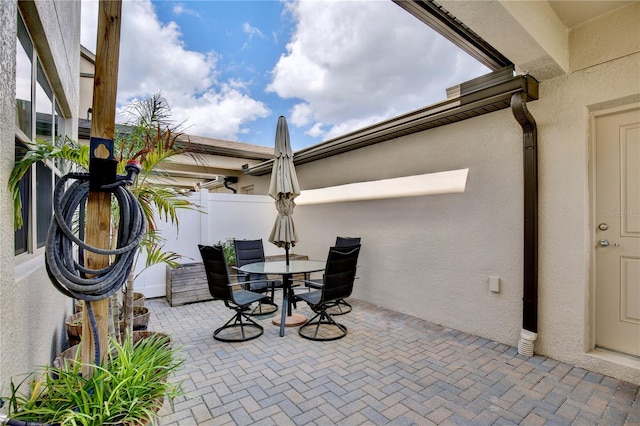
point(286, 253)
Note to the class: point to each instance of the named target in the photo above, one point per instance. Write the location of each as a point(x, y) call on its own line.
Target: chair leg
point(243, 322)
point(264, 307)
point(341, 307)
point(292, 297)
point(323, 318)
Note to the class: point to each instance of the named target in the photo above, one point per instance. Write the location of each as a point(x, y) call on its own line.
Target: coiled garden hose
point(69, 275)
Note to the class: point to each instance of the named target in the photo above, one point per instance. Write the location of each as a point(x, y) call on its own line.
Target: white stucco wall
point(32, 311)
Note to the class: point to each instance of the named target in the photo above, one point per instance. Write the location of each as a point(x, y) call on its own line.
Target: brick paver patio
point(390, 369)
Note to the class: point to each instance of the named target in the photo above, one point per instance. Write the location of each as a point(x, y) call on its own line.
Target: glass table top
point(281, 267)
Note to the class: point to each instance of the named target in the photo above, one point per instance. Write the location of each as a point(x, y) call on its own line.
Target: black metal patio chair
point(342, 306)
point(337, 284)
point(251, 251)
point(240, 327)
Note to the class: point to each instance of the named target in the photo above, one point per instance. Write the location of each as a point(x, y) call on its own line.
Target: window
point(34, 99)
point(24, 53)
point(21, 240)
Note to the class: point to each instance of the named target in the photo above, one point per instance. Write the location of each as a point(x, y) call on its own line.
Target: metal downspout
point(228, 180)
point(226, 185)
point(529, 332)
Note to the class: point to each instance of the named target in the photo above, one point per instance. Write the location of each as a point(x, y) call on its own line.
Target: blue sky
point(229, 68)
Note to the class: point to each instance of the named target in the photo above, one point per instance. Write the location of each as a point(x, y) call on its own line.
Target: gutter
point(488, 93)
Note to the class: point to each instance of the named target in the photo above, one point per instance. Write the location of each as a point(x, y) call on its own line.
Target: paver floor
point(391, 369)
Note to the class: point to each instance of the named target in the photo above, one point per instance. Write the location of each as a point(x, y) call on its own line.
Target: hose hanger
point(102, 164)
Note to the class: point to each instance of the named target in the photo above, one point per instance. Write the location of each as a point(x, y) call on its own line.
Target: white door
point(617, 222)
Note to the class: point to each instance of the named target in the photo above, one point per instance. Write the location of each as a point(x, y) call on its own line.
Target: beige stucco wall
point(32, 311)
point(86, 87)
point(432, 256)
point(566, 240)
point(604, 63)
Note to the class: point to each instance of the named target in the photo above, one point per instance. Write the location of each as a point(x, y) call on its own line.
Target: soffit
point(533, 34)
point(574, 13)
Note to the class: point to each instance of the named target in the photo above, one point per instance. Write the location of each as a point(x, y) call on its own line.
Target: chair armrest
point(238, 284)
point(310, 283)
point(252, 282)
point(275, 281)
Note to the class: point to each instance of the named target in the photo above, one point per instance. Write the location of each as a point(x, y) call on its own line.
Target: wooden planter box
point(187, 284)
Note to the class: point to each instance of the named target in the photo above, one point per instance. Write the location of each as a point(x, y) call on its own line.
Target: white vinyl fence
point(221, 216)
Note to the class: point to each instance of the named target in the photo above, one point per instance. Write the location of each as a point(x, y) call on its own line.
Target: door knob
point(606, 243)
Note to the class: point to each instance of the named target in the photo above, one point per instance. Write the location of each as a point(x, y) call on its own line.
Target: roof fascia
point(223, 151)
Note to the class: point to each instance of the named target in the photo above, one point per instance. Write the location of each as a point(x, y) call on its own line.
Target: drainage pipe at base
point(525, 345)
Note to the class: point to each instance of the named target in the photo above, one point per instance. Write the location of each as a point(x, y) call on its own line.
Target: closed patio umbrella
point(283, 188)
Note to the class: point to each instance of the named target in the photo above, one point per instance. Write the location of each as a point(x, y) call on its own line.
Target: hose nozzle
point(132, 167)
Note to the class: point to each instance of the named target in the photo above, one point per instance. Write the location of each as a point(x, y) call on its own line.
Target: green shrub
point(229, 250)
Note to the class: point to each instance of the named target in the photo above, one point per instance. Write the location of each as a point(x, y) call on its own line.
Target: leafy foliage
point(68, 152)
point(129, 388)
point(149, 139)
point(228, 250)
point(147, 142)
point(153, 245)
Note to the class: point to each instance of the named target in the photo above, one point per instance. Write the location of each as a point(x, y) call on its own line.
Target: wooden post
point(98, 213)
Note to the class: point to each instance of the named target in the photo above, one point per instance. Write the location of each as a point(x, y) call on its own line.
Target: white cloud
point(348, 64)
point(153, 59)
point(251, 31)
point(89, 24)
point(354, 63)
point(301, 114)
point(248, 29)
point(316, 130)
point(180, 9)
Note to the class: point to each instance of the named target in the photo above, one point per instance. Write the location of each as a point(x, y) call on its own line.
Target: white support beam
point(529, 33)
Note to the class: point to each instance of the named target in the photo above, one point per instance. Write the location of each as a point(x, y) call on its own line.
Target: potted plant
point(129, 390)
point(95, 400)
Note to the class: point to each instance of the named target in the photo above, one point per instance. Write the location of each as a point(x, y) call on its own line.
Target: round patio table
point(280, 267)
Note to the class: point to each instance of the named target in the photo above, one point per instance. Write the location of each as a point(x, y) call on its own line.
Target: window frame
point(30, 240)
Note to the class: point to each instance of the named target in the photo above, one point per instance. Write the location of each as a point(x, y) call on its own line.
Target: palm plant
point(151, 141)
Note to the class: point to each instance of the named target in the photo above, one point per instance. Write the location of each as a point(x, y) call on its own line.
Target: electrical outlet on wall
point(494, 284)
